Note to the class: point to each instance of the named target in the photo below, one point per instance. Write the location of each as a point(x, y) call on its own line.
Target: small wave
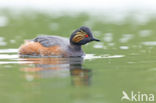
point(8, 50)
point(3, 21)
point(149, 43)
point(93, 56)
point(126, 37)
point(2, 42)
point(145, 33)
point(15, 62)
point(6, 56)
point(98, 45)
point(124, 47)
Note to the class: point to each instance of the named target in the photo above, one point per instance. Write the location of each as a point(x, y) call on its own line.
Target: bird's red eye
point(86, 36)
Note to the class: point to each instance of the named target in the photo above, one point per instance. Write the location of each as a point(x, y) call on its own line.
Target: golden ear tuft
point(79, 36)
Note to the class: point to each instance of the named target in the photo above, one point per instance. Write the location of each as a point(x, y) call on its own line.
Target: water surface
point(124, 60)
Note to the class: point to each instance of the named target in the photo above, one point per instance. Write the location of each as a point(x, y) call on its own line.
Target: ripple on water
point(145, 33)
point(15, 62)
point(149, 43)
point(98, 45)
point(7, 56)
point(124, 47)
point(8, 50)
point(14, 58)
point(93, 56)
point(3, 21)
point(108, 37)
point(12, 41)
point(125, 38)
point(2, 42)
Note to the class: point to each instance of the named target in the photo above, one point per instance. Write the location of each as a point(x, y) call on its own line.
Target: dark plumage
point(58, 46)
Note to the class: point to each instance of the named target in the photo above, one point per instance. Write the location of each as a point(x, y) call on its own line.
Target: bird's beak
point(94, 39)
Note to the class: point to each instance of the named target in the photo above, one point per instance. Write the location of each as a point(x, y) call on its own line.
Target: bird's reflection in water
point(58, 67)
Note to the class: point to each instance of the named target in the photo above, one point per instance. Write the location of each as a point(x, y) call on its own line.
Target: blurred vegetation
point(29, 24)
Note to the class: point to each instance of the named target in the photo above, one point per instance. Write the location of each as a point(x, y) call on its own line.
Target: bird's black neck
point(75, 47)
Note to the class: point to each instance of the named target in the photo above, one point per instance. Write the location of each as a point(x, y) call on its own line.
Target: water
point(124, 60)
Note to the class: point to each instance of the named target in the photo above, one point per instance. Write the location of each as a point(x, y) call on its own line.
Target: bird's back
point(45, 46)
point(48, 41)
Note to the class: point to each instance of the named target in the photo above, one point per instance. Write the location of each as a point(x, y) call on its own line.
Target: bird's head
point(82, 36)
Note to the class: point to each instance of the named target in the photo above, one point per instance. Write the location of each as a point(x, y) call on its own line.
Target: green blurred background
point(124, 60)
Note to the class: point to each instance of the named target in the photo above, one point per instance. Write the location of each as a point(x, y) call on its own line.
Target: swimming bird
point(58, 46)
